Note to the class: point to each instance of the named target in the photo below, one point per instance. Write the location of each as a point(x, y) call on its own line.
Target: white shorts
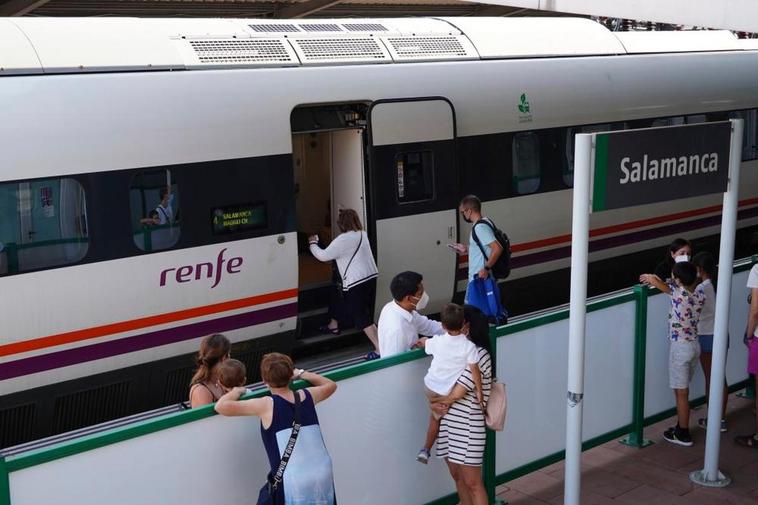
point(683, 359)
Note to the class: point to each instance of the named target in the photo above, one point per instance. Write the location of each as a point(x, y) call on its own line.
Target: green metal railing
point(634, 429)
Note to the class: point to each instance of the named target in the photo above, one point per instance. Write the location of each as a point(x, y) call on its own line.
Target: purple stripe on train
point(619, 240)
point(102, 350)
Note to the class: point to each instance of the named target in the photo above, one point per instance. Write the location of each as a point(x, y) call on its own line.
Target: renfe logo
point(188, 273)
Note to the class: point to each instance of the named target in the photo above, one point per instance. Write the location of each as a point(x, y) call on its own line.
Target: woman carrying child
point(462, 431)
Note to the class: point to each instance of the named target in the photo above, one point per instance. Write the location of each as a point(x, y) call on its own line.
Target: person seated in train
point(355, 278)
point(232, 373)
point(165, 208)
point(152, 219)
point(400, 324)
point(680, 249)
point(483, 248)
point(204, 386)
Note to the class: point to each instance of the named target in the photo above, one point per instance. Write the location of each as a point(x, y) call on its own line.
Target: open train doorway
point(328, 164)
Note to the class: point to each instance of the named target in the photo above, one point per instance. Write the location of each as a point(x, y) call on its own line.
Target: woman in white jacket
point(357, 270)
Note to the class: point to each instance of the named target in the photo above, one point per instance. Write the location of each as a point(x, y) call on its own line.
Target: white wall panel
point(533, 364)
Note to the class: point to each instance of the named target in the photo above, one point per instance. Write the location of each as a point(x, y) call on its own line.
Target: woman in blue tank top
point(308, 476)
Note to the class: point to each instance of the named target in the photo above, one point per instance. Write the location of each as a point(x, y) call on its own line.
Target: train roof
point(75, 45)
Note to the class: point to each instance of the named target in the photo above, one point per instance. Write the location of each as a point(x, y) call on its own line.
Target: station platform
point(614, 473)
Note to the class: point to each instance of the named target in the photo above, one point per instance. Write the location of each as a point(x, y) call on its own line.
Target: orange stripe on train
point(144, 322)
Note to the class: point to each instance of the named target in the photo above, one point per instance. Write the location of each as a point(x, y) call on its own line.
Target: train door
point(328, 156)
point(414, 194)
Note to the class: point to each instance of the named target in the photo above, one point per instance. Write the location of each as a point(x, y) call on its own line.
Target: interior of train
point(328, 163)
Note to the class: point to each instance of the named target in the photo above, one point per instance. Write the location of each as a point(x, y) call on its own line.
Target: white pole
point(580, 231)
point(711, 476)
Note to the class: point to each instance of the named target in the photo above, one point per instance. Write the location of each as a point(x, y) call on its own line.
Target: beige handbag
point(494, 414)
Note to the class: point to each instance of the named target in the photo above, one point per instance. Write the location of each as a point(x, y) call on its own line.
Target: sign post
point(580, 239)
point(621, 169)
point(711, 476)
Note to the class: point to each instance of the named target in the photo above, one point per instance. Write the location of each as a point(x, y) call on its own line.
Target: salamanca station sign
point(636, 167)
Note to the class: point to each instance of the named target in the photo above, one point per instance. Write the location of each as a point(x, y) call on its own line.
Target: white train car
point(263, 130)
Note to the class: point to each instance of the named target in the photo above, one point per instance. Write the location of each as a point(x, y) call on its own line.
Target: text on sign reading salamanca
point(237, 218)
point(651, 170)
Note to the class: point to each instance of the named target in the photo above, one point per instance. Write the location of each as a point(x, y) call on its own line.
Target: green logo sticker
point(523, 105)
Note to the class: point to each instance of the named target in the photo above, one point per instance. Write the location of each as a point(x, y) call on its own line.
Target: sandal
point(326, 329)
point(747, 441)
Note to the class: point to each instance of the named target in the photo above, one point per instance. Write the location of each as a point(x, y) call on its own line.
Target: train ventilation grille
point(321, 27)
point(364, 27)
point(241, 51)
point(93, 406)
point(274, 28)
point(340, 50)
point(177, 385)
point(17, 425)
point(428, 48)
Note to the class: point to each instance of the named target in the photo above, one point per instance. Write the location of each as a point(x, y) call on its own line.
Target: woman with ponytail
point(204, 387)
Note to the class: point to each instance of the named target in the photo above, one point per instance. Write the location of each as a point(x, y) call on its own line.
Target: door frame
point(370, 171)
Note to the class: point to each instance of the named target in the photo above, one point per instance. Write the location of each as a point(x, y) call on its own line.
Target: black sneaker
point(677, 436)
point(703, 423)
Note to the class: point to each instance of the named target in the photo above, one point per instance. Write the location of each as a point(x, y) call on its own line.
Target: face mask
point(682, 259)
point(422, 302)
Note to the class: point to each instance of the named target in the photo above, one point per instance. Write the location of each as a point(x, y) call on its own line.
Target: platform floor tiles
point(656, 475)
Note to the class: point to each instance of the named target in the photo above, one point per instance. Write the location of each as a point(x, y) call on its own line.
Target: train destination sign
point(238, 218)
point(636, 167)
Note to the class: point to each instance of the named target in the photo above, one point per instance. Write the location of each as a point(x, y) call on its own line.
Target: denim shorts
point(706, 343)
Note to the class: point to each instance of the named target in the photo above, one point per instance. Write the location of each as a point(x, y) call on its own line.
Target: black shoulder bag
point(338, 277)
point(272, 489)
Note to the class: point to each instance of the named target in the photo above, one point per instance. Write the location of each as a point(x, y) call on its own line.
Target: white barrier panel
point(533, 364)
point(658, 395)
point(373, 426)
point(213, 460)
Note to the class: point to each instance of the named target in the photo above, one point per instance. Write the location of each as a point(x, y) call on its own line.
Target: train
point(160, 177)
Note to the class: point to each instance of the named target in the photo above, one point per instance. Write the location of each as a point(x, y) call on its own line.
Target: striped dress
point(462, 430)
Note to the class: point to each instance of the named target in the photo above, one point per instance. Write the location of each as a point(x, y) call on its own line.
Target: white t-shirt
point(166, 214)
point(705, 325)
point(752, 283)
point(399, 329)
point(450, 356)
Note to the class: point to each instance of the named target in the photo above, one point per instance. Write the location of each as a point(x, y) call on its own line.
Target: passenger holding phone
point(482, 256)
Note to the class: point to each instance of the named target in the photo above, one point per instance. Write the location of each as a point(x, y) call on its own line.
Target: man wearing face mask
point(480, 258)
point(399, 322)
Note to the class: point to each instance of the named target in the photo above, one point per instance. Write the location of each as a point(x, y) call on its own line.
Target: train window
point(43, 223)
point(669, 121)
point(568, 172)
point(696, 118)
point(156, 221)
point(415, 176)
point(749, 132)
point(526, 163)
